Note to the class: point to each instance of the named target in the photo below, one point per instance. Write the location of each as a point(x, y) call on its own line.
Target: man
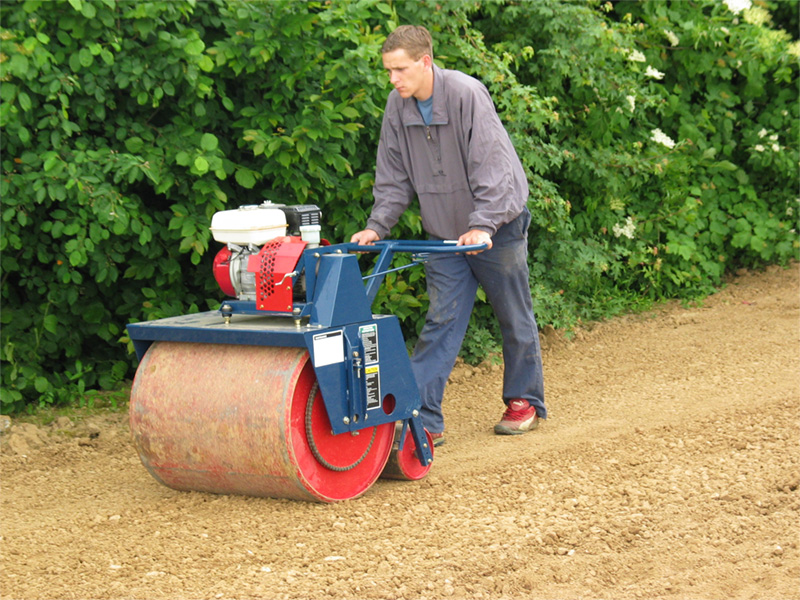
point(442, 141)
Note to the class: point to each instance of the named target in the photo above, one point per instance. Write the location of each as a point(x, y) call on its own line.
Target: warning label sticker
point(369, 338)
point(373, 385)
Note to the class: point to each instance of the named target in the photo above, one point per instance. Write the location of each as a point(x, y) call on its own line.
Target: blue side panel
point(339, 296)
point(364, 373)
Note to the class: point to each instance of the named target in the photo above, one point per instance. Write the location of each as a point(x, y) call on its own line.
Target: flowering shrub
point(677, 120)
point(660, 141)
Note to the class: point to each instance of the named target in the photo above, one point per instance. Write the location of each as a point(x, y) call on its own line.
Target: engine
point(263, 244)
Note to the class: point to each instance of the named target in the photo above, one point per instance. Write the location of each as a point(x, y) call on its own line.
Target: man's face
point(408, 76)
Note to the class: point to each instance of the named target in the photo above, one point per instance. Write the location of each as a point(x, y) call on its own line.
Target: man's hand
point(474, 237)
point(365, 237)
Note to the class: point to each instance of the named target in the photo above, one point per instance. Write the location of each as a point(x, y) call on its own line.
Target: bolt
point(415, 413)
point(346, 420)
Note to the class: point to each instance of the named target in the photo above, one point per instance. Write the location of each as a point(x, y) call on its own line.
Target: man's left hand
point(474, 237)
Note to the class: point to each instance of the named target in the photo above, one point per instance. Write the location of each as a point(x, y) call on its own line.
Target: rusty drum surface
point(236, 420)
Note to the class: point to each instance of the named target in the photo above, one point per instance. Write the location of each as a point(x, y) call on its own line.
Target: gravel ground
point(669, 468)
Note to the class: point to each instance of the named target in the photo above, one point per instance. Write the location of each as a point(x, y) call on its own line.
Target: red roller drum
point(233, 419)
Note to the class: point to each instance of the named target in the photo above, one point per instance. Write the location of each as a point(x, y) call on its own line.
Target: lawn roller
point(293, 388)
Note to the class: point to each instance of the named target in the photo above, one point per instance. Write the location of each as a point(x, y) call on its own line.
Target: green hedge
point(660, 141)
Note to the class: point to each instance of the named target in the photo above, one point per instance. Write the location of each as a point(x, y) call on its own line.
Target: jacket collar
point(411, 114)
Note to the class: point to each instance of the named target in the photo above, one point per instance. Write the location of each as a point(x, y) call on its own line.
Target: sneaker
point(520, 417)
point(438, 439)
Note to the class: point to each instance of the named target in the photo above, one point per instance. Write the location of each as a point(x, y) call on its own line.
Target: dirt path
point(669, 468)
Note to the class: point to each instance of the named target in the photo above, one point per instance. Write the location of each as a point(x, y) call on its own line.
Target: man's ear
point(427, 61)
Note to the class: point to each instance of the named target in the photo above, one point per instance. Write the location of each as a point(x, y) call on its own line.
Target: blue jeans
point(452, 281)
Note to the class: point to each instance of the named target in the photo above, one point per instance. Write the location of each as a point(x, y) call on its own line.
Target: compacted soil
point(668, 468)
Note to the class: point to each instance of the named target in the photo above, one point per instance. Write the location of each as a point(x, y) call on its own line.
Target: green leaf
point(19, 66)
point(41, 384)
point(24, 101)
point(182, 158)
point(134, 144)
point(50, 323)
point(205, 63)
point(245, 178)
point(88, 10)
point(209, 142)
point(195, 48)
point(201, 164)
point(85, 57)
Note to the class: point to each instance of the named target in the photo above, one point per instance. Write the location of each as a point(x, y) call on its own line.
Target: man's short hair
point(414, 39)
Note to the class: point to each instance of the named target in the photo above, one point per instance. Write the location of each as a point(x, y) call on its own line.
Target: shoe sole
point(503, 430)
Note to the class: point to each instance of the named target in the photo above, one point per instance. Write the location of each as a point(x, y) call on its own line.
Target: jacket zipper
point(437, 152)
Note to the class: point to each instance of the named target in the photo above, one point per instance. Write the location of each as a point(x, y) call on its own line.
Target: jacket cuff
point(377, 228)
point(485, 228)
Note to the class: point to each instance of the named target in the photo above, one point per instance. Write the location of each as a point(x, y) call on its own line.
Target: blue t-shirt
point(426, 109)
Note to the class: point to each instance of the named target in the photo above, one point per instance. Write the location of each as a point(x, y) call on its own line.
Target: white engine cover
point(250, 224)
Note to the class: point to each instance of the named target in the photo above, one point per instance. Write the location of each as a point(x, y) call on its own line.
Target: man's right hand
point(365, 237)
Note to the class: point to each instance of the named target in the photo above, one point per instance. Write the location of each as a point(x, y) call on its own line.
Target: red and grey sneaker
point(438, 439)
point(520, 417)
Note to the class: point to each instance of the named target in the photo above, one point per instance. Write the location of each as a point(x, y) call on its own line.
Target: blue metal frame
point(337, 309)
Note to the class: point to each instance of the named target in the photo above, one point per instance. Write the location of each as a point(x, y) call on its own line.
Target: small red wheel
point(404, 464)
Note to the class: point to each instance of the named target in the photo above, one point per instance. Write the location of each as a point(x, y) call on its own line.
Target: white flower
point(660, 137)
point(776, 148)
point(789, 211)
point(756, 16)
point(737, 6)
point(627, 229)
point(637, 56)
point(654, 73)
point(725, 30)
point(758, 148)
point(673, 39)
point(762, 133)
point(774, 137)
point(631, 102)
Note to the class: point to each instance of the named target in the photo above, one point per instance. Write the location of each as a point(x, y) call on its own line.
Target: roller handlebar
point(417, 247)
point(387, 248)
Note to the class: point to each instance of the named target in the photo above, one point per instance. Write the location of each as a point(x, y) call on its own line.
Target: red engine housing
point(272, 267)
point(222, 272)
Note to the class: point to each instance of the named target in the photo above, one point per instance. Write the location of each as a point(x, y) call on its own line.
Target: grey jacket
point(463, 167)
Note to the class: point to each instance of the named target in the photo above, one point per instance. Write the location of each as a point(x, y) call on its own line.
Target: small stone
point(63, 423)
